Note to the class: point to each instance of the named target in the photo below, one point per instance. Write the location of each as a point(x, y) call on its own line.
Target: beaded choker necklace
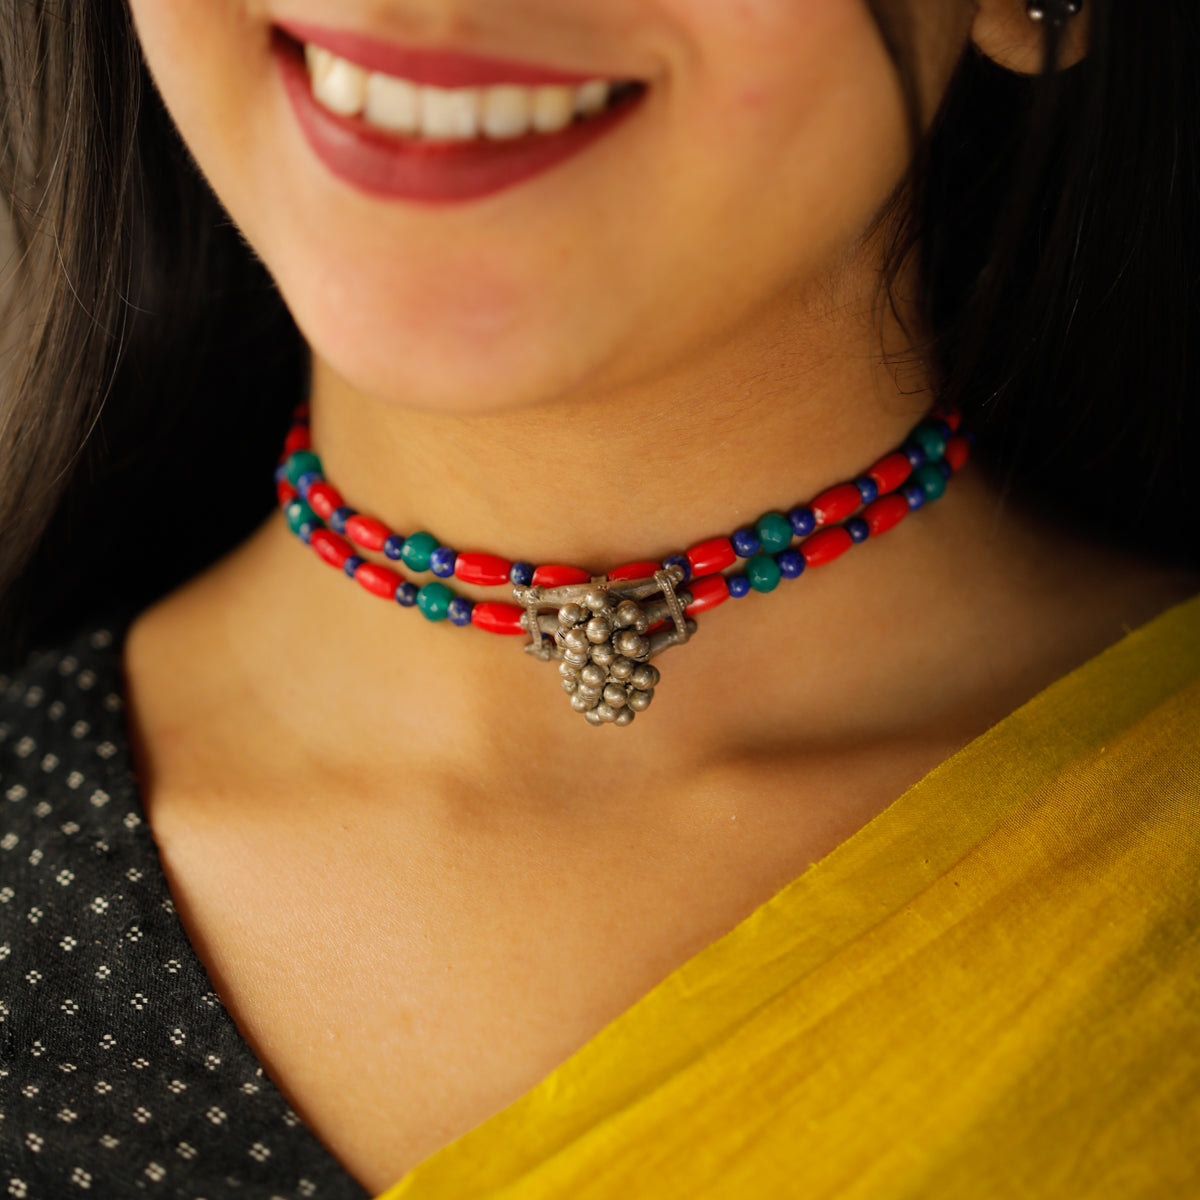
point(604, 629)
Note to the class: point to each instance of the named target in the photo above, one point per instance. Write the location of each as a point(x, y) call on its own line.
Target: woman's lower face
point(616, 188)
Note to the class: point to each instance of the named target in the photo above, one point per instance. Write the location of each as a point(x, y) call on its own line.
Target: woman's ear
point(1007, 34)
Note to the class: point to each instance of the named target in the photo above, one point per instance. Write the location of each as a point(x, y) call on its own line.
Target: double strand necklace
point(603, 630)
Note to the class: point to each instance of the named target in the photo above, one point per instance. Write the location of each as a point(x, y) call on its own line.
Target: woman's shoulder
point(121, 1059)
point(68, 797)
point(1123, 722)
point(66, 668)
point(62, 724)
point(1153, 667)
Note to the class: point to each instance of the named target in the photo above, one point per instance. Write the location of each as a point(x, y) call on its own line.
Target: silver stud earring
point(1055, 13)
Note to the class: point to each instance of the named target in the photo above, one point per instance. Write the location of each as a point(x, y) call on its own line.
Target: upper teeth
point(506, 110)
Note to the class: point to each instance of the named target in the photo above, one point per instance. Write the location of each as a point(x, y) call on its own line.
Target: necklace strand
point(607, 627)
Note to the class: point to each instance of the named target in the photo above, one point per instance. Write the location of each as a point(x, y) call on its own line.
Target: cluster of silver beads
point(605, 665)
point(600, 634)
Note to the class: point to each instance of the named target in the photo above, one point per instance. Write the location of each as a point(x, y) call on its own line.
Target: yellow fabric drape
point(991, 990)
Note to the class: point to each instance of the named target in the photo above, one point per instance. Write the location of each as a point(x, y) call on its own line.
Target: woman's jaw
point(763, 142)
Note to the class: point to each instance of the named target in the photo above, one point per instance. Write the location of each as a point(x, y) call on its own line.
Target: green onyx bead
point(298, 513)
point(301, 463)
point(930, 440)
point(763, 572)
point(434, 601)
point(932, 481)
point(416, 551)
point(774, 532)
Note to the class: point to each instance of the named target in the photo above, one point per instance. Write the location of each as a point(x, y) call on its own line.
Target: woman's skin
point(419, 880)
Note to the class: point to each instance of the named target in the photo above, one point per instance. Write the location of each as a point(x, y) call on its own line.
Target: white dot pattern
point(120, 1072)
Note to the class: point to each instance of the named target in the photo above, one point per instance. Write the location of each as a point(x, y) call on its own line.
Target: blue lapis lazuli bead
point(914, 454)
point(521, 574)
point(442, 560)
point(352, 563)
point(914, 493)
point(803, 521)
point(745, 542)
point(679, 560)
point(339, 517)
point(791, 564)
point(306, 481)
point(281, 473)
point(946, 469)
point(459, 611)
point(406, 594)
point(739, 586)
point(858, 529)
point(867, 489)
point(305, 532)
point(393, 546)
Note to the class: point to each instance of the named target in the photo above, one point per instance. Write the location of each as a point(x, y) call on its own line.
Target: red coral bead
point(324, 499)
point(366, 532)
point(493, 616)
point(641, 570)
point(707, 593)
point(885, 513)
point(835, 504)
point(285, 492)
point(298, 438)
point(332, 547)
point(825, 546)
point(953, 418)
point(378, 580)
point(957, 449)
point(707, 558)
point(552, 577)
point(484, 570)
point(890, 472)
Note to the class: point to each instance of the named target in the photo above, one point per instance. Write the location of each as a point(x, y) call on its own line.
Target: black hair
point(149, 366)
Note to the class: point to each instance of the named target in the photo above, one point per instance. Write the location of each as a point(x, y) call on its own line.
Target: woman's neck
point(597, 477)
point(942, 625)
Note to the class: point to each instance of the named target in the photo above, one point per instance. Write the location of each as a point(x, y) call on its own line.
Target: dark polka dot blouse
point(121, 1074)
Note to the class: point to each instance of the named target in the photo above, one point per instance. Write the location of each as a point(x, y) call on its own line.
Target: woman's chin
point(447, 376)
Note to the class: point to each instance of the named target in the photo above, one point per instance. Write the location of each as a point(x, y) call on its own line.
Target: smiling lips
point(438, 127)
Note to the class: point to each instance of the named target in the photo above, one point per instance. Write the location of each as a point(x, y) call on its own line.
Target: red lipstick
point(438, 68)
point(431, 172)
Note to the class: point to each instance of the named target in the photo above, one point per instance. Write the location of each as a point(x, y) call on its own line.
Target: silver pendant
point(600, 635)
